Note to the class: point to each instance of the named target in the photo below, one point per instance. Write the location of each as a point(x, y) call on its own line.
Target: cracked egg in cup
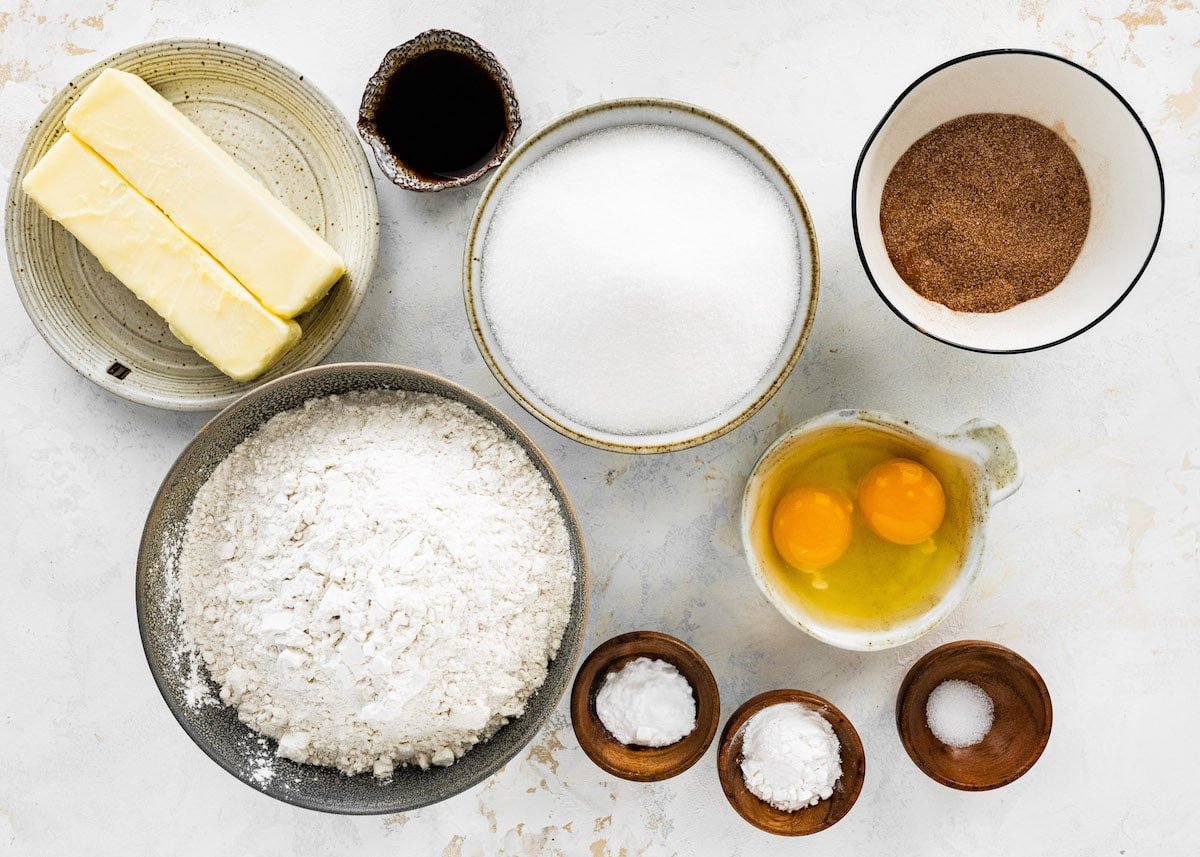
point(864, 531)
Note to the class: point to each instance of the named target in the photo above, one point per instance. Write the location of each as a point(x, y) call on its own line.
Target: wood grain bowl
point(1021, 726)
point(643, 764)
point(761, 814)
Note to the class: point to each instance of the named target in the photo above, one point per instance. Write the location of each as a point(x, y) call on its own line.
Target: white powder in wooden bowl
point(376, 579)
point(641, 279)
point(791, 757)
point(647, 703)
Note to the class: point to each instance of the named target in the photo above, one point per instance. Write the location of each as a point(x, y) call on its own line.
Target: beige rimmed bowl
point(216, 729)
point(283, 131)
point(979, 451)
point(611, 114)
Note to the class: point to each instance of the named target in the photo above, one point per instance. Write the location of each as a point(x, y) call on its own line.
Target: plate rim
point(22, 279)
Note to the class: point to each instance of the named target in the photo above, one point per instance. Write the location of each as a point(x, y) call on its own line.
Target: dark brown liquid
point(442, 115)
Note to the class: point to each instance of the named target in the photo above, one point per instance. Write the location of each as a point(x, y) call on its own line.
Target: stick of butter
point(171, 162)
point(206, 307)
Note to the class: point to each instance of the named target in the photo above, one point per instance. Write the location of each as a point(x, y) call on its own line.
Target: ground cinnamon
point(985, 212)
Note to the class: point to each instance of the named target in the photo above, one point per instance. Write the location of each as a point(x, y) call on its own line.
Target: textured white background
point(1091, 571)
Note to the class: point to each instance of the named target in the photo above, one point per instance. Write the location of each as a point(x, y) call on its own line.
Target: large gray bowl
point(216, 729)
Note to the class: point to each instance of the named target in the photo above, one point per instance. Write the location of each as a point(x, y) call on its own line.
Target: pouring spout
point(990, 446)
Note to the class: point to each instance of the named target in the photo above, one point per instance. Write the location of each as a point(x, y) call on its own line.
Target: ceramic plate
point(216, 728)
point(276, 125)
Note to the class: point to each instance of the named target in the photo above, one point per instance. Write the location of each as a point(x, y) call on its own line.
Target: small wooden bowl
point(761, 814)
point(643, 764)
point(1020, 728)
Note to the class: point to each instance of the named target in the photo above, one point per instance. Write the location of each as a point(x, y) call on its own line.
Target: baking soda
point(647, 703)
point(641, 279)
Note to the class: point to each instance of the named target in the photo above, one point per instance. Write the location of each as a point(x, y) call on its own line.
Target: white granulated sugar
point(641, 279)
point(791, 757)
point(647, 703)
point(376, 579)
point(959, 713)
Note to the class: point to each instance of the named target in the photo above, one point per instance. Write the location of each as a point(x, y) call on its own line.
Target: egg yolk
point(902, 501)
point(811, 527)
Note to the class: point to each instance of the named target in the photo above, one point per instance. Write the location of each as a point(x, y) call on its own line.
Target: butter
point(171, 162)
point(206, 307)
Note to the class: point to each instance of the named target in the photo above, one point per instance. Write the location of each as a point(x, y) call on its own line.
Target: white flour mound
point(376, 579)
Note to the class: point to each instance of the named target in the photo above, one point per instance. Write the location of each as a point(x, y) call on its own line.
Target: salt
point(647, 703)
point(959, 713)
point(641, 279)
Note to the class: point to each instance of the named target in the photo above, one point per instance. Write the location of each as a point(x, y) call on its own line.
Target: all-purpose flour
point(376, 579)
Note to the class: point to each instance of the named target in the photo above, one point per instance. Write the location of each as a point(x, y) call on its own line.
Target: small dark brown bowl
point(1020, 728)
point(643, 764)
point(373, 96)
point(811, 819)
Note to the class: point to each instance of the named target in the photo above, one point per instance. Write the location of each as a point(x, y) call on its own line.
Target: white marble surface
point(1091, 570)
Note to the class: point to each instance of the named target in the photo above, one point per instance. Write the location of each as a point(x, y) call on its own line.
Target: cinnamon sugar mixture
point(985, 212)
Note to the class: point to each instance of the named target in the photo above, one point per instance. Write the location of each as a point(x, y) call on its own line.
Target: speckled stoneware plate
point(216, 729)
point(641, 111)
point(275, 124)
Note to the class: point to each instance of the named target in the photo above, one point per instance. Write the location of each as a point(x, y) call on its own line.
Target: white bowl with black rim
point(1114, 148)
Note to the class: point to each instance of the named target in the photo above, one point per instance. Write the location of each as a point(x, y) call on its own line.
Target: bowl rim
point(494, 414)
point(1162, 196)
point(805, 229)
point(70, 91)
point(1018, 662)
point(969, 568)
